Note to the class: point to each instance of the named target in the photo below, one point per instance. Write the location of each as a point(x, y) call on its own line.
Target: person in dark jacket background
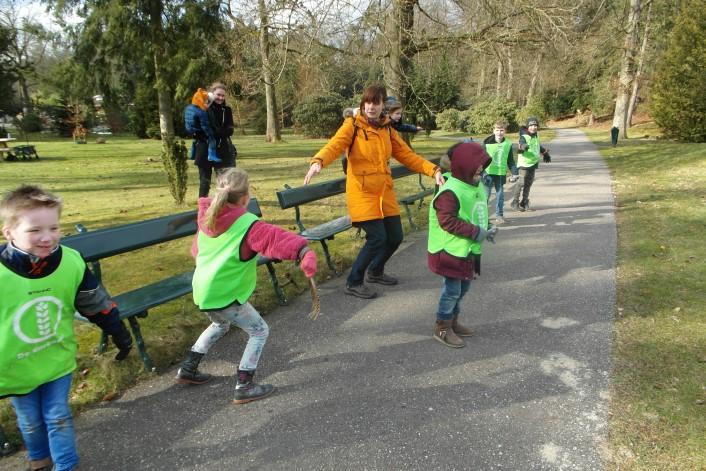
point(221, 120)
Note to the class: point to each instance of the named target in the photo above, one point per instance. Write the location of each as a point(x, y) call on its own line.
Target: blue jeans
point(452, 293)
point(382, 238)
point(496, 181)
point(44, 418)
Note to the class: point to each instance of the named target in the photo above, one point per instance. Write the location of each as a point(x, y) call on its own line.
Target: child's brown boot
point(445, 334)
point(459, 329)
point(45, 464)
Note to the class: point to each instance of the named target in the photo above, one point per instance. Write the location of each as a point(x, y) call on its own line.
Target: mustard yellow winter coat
point(369, 191)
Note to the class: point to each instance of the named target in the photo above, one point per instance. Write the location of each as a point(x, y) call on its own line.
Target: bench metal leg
point(137, 335)
point(281, 298)
point(328, 258)
point(103, 343)
point(409, 216)
point(5, 447)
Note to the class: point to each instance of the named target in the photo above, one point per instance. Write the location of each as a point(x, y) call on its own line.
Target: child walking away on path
point(42, 284)
point(500, 151)
point(226, 249)
point(529, 150)
point(458, 224)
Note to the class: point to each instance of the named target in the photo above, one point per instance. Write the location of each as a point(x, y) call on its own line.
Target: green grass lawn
point(658, 405)
point(123, 181)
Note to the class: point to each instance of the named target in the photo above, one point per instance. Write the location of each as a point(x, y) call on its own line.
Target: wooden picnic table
point(5, 150)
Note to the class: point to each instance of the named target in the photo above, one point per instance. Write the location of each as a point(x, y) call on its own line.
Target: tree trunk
point(508, 93)
point(481, 80)
point(533, 80)
point(273, 133)
point(25, 98)
point(640, 64)
point(398, 62)
point(499, 77)
point(627, 69)
point(173, 152)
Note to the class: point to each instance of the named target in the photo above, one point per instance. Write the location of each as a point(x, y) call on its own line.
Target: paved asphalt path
point(365, 387)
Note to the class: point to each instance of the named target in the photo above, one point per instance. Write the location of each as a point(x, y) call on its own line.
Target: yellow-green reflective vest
point(221, 277)
point(499, 153)
point(473, 208)
point(530, 157)
point(37, 341)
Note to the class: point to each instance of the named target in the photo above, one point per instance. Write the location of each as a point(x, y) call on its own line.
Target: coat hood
point(465, 160)
point(201, 99)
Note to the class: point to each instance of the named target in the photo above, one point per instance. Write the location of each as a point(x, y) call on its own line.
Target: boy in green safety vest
point(529, 150)
point(42, 285)
point(458, 224)
point(500, 151)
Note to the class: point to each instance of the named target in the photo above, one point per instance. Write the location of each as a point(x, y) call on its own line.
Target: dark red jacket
point(464, 162)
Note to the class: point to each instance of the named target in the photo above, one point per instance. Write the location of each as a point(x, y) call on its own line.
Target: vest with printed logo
point(499, 153)
point(529, 157)
point(37, 342)
point(473, 208)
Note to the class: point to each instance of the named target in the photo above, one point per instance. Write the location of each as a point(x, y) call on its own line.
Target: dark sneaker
point(361, 291)
point(515, 206)
point(522, 208)
point(381, 279)
point(250, 391)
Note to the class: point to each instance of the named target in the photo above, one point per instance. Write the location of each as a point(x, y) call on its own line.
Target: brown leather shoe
point(459, 329)
point(444, 333)
point(45, 464)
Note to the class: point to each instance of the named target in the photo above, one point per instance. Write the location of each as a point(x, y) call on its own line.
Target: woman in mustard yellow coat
point(370, 195)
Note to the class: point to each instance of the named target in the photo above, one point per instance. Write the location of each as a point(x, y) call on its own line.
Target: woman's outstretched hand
point(439, 178)
point(313, 170)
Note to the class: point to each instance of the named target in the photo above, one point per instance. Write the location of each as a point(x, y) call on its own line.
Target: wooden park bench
point(104, 243)
point(302, 195)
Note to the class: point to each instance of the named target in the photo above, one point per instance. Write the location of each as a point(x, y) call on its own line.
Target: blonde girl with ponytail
point(226, 247)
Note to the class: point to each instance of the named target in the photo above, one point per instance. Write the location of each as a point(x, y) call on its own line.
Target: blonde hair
point(216, 85)
point(232, 185)
point(25, 198)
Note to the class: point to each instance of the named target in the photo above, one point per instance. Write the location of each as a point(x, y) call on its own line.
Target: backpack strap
point(344, 160)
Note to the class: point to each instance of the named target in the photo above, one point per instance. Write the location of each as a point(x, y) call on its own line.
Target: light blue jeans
point(496, 182)
point(45, 421)
point(243, 316)
point(452, 292)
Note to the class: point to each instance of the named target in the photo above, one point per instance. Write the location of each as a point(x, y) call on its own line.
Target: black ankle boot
point(188, 372)
point(247, 391)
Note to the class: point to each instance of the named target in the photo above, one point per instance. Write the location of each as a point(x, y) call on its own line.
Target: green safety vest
point(221, 277)
point(530, 157)
point(473, 209)
point(499, 153)
point(37, 342)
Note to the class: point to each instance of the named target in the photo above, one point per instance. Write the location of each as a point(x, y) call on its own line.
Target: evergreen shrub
point(677, 94)
point(484, 113)
point(319, 116)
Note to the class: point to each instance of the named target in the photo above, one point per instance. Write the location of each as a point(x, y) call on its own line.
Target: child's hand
point(308, 264)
